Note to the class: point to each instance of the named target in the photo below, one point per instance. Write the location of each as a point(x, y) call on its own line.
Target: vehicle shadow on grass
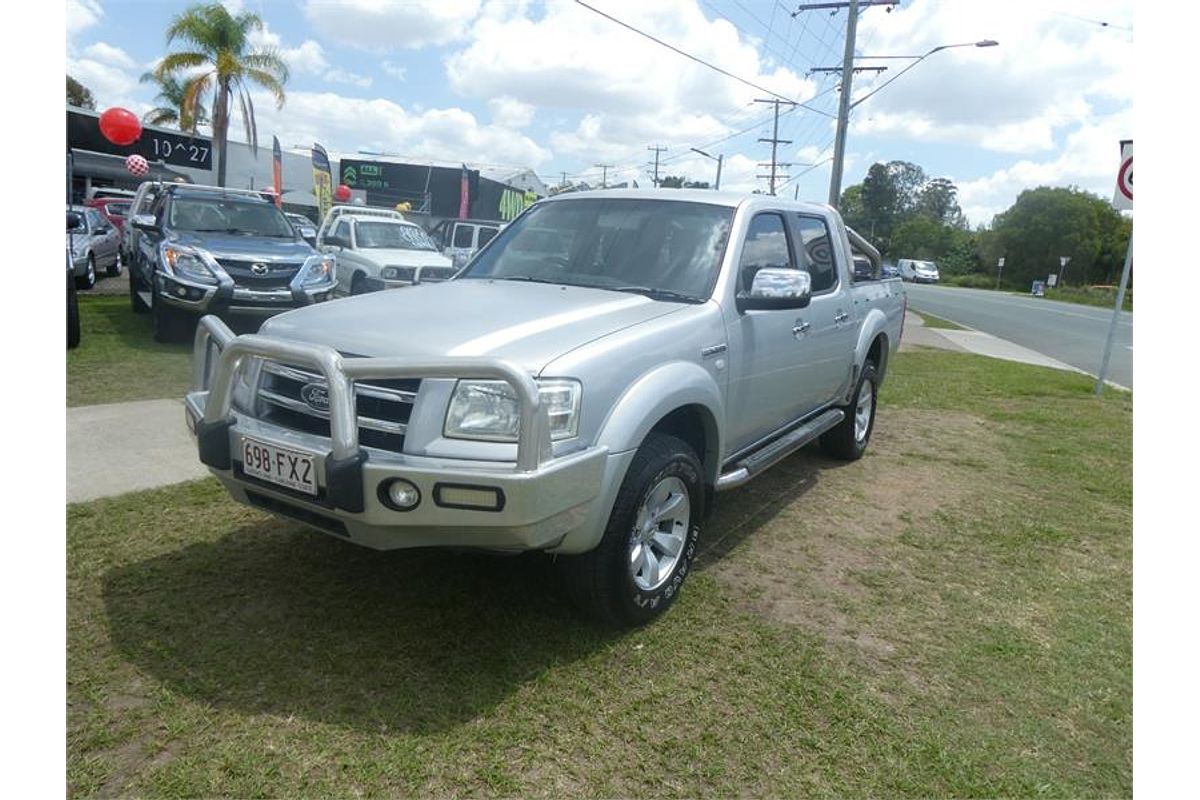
point(273, 619)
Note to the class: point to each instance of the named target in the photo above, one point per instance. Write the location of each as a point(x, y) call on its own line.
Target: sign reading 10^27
point(176, 149)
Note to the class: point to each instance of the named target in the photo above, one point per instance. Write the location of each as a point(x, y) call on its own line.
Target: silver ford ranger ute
point(585, 387)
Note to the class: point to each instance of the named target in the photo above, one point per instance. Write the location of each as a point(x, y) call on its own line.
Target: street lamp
point(719, 158)
point(839, 148)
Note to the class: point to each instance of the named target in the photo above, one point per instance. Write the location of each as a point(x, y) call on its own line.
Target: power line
point(699, 60)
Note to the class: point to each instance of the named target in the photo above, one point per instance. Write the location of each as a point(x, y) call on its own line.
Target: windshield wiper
point(656, 294)
point(531, 279)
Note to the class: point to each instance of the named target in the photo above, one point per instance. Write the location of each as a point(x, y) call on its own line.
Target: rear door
point(830, 336)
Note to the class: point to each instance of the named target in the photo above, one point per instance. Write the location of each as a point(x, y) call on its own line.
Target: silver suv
point(586, 393)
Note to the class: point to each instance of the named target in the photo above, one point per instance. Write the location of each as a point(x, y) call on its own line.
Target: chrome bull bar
point(218, 355)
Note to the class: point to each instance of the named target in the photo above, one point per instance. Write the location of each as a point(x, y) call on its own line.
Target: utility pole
point(775, 140)
point(604, 179)
point(657, 149)
point(839, 145)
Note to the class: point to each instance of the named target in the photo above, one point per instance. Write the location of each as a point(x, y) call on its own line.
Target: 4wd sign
point(1123, 195)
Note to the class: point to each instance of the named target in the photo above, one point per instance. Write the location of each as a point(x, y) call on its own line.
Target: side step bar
point(776, 451)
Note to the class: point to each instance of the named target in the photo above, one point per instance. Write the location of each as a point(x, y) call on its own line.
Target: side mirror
point(775, 288)
point(144, 222)
point(308, 234)
point(74, 221)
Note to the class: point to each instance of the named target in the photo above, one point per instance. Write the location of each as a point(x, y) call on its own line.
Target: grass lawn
point(937, 322)
point(949, 616)
point(118, 359)
point(1103, 296)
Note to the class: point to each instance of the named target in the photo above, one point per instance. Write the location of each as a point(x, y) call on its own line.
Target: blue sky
point(558, 88)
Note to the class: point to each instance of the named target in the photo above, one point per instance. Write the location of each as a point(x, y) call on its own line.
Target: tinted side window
point(463, 234)
point(342, 229)
point(486, 235)
point(766, 246)
point(817, 249)
point(93, 220)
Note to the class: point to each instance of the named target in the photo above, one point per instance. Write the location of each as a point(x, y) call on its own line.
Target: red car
point(113, 209)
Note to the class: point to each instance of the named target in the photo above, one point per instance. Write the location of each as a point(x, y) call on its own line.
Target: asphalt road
point(1071, 333)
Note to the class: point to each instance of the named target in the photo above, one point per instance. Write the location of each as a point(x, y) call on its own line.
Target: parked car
point(459, 239)
point(917, 271)
point(207, 250)
point(74, 223)
point(93, 247)
point(889, 270)
point(113, 209)
point(589, 406)
point(379, 249)
point(304, 226)
point(141, 204)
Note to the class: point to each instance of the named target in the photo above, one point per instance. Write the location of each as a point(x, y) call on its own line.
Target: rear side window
point(817, 249)
point(463, 235)
point(342, 229)
point(93, 219)
point(766, 246)
point(486, 235)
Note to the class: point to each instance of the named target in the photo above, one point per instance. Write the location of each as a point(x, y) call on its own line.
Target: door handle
point(800, 328)
point(840, 317)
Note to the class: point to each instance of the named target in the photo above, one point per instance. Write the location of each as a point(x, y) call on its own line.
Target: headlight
point(394, 273)
point(318, 269)
point(243, 386)
point(189, 263)
point(489, 410)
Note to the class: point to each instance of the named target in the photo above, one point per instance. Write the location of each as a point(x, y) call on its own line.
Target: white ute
point(379, 249)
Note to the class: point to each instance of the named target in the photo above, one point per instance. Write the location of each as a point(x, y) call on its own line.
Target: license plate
point(279, 465)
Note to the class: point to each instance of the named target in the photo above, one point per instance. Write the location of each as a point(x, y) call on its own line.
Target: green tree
point(938, 200)
point(879, 201)
point(79, 95)
point(907, 181)
point(221, 62)
point(671, 182)
point(1046, 223)
point(172, 109)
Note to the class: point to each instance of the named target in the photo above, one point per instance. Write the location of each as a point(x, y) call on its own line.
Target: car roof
point(708, 196)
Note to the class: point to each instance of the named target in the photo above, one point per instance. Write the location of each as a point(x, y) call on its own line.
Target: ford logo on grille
point(316, 395)
point(259, 269)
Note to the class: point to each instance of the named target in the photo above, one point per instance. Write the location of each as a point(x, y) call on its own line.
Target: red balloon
point(341, 193)
point(119, 126)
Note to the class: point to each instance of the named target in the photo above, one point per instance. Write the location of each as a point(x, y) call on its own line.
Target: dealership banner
point(322, 180)
point(277, 170)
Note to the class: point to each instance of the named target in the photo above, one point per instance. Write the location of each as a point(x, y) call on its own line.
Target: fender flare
point(657, 393)
point(874, 325)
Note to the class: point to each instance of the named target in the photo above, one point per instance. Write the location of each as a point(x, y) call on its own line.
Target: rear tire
point(848, 440)
point(635, 573)
point(89, 278)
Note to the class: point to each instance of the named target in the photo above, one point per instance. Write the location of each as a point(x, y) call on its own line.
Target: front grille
point(435, 274)
point(382, 406)
point(277, 276)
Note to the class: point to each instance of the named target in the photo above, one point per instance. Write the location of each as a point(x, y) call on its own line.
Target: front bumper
point(227, 297)
point(541, 499)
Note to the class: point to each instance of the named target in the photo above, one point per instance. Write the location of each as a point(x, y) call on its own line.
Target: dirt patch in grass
point(817, 560)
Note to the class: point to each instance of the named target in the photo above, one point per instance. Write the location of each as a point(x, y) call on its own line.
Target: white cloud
point(395, 70)
point(348, 124)
point(347, 77)
point(383, 25)
point(81, 15)
point(309, 57)
point(109, 55)
point(1048, 72)
point(510, 113)
point(111, 76)
point(632, 90)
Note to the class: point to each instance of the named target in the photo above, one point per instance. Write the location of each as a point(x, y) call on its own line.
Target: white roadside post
point(1122, 199)
point(999, 270)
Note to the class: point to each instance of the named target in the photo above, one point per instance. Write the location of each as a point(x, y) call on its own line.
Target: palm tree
point(173, 110)
point(222, 62)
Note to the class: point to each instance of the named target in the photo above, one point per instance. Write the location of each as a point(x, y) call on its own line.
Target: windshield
point(229, 215)
point(117, 209)
point(393, 236)
point(647, 246)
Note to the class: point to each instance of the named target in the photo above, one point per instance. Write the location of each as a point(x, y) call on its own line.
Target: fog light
point(181, 291)
point(399, 494)
point(474, 498)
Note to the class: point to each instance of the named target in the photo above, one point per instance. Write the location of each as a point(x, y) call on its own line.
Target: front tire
point(89, 278)
point(848, 440)
point(170, 325)
point(635, 573)
point(135, 301)
point(73, 327)
point(114, 269)
point(358, 284)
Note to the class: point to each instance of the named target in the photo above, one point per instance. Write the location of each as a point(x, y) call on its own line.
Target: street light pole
point(719, 158)
point(839, 142)
point(845, 106)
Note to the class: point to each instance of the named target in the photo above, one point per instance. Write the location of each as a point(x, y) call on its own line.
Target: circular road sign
point(1125, 178)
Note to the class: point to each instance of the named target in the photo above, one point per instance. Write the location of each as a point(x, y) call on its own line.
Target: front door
point(767, 384)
